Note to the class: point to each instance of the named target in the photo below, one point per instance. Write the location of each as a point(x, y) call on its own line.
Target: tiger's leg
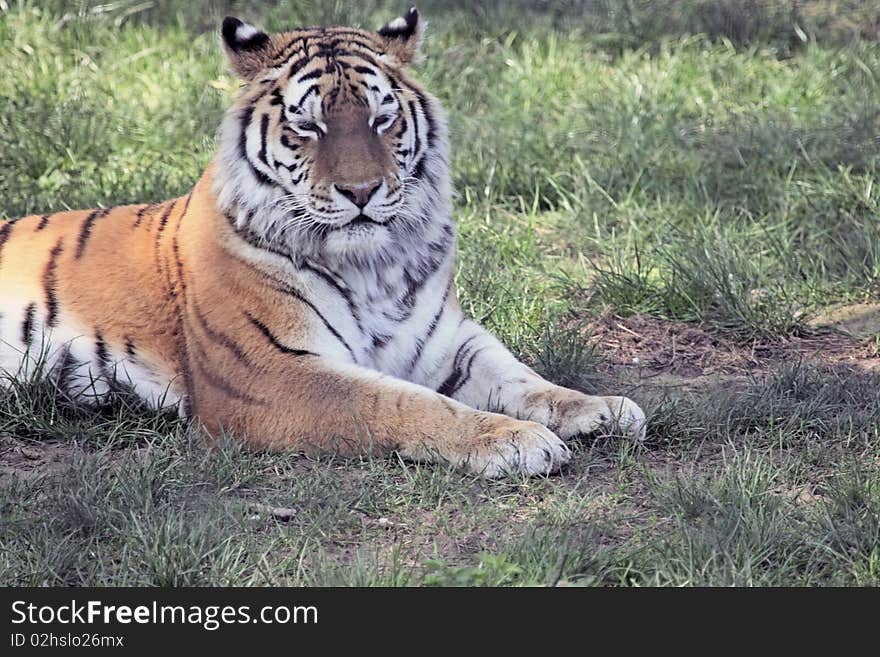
point(304, 402)
point(480, 372)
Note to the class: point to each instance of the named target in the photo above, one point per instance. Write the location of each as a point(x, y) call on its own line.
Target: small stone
point(278, 512)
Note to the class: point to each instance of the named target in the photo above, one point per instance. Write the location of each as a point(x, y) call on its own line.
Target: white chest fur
point(379, 317)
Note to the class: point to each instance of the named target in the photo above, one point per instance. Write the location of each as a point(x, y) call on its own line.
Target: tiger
point(300, 297)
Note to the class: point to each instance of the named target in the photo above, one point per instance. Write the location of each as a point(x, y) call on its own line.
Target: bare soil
point(653, 346)
point(28, 460)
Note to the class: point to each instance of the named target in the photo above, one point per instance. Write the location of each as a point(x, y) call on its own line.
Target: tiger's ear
point(403, 36)
point(245, 46)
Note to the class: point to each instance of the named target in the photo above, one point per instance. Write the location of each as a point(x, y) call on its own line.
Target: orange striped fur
point(300, 296)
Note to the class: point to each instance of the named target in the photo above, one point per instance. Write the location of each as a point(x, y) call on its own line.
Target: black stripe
point(287, 52)
point(366, 55)
point(402, 131)
point(246, 116)
point(417, 146)
point(421, 342)
point(188, 405)
point(276, 98)
point(175, 248)
point(218, 337)
point(413, 285)
point(350, 31)
point(163, 221)
point(4, 236)
point(183, 212)
point(297, 66)
point(459, 375)
point(453, 385)
point(64, 369)
point(187, 402)
point(379, 341)
point(425, 106)
point(356, 40)
point(27, 325)
point(299, 297)
point(346, 294)
point(371, 61)
point(221, 384)
point(264, 133)
point(129, 346)
point(289, 146)
point(142, 212)
point(178, 263)
point(450, 382)
point(313, 75)
point(353, 45)
point(467, 374)
point(50, 282)
point(44, 221)
point(86, 230)
point(102, 355)
point(272, 339)
point(308, 92)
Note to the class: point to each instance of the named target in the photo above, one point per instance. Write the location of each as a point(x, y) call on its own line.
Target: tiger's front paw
point(516, 447)
point(570, 413)
point(627, 417)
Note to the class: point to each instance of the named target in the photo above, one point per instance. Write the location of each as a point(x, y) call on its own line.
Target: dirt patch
point(29, 460)
point(858, 320)
point(657, 346)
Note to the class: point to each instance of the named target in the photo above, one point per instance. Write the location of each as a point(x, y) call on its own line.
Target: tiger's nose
point(359, 194)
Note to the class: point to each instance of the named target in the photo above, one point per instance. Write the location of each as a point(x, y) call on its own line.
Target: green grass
point(712, 163)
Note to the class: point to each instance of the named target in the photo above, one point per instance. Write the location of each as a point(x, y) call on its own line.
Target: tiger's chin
point(358, 242)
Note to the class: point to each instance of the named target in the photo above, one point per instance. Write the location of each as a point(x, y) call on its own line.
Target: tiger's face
point(347, 127)
point(331, 142)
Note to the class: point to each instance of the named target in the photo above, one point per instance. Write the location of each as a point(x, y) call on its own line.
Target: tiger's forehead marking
point(334, 72)
point(331, 44)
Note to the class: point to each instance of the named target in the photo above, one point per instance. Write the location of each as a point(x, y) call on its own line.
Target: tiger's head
point(331, 150)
